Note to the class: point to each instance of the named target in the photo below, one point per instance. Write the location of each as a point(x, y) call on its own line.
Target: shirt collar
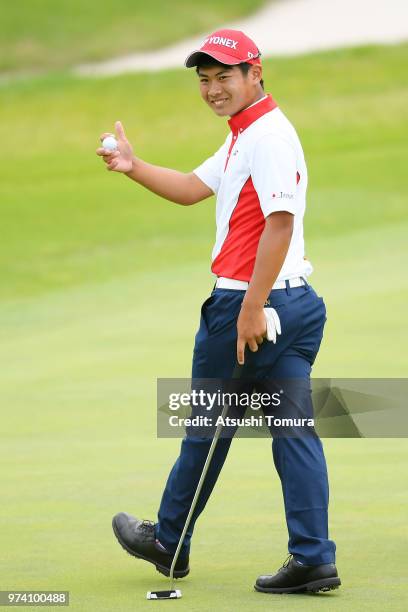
point(257, 101)
point(240, 121)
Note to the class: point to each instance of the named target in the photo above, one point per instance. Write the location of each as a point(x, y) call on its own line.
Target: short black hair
point(207, 60)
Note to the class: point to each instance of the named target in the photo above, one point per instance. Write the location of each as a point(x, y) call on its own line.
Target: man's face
point(228, 90)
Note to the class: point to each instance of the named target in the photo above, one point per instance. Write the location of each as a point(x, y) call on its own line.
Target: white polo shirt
point(260, 169)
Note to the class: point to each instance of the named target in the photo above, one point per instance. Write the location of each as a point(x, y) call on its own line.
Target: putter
point(176, 593)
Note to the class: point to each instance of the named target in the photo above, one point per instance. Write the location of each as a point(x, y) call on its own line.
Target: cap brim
point(223, 58)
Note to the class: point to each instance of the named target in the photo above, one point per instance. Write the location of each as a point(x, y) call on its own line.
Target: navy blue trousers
point(299, 461)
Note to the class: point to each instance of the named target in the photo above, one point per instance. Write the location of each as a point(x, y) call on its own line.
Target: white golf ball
point(110, 143)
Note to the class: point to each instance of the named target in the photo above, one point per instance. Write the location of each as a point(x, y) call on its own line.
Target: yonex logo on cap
point(227, 47)
point(219, 40)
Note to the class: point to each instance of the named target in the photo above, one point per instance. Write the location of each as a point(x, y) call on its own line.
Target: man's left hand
point(251, 327)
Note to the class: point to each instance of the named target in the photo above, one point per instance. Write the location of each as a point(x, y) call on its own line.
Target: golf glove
point(273, 326)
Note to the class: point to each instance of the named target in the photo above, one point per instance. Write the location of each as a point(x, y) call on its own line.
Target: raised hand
point(121, 159)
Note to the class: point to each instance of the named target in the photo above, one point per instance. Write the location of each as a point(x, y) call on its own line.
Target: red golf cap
point(227, 47)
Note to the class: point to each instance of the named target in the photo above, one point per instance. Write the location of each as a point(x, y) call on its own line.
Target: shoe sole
point(325, 584)
point(160, 568)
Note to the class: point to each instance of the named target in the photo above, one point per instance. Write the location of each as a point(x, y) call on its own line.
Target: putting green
point(101, 289)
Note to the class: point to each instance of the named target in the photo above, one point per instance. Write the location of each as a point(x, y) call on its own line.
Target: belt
point(232, 283)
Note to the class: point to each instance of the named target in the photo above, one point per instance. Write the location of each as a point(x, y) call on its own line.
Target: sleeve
point(273, 170)
point(211, 171)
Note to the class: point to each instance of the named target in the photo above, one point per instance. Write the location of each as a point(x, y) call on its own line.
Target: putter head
point(175, 594)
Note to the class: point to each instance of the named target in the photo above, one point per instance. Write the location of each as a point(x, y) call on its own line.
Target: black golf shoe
point(294, 577)
point(138, 539)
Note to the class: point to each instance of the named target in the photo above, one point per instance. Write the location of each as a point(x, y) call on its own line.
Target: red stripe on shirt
point(238, 252)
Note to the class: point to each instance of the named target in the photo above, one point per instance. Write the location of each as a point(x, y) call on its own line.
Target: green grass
point(44, 34)
point(100, 295)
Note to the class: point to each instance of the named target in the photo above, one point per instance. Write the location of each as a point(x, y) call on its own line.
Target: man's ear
point(256, 73)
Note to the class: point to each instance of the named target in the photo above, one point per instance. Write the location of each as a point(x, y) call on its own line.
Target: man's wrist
point(252, 303)
point(131, 172)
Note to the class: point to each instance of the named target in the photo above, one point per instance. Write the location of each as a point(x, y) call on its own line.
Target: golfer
point(262, 315)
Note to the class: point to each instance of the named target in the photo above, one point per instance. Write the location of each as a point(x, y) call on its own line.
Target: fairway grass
point(53, 35)
point(101, 289)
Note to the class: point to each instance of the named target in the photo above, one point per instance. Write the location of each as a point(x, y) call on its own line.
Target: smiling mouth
point(219, 102)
